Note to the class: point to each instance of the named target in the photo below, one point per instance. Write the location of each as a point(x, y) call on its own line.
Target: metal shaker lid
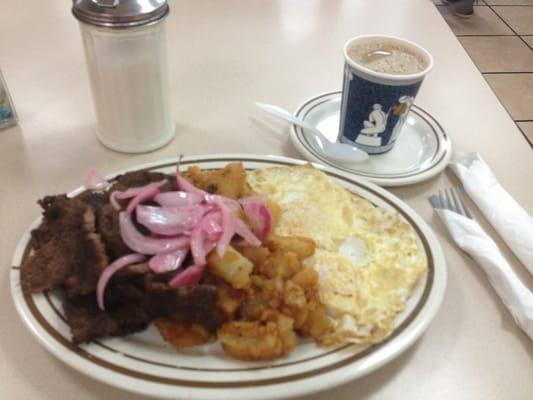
point(119, 13)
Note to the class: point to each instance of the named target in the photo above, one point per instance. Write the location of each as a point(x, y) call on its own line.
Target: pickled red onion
point(146, 193)
point(188, 187)
point(170, 220)
point(243, 231)
point(95, 181)
point(147, 245)
point(161, 263)
point(188, 277)
point(131, 192)
point(178, 199)
point(201, 245)
point(228, 222)
point(106, 275)
point(258, 214)
point(213, 229)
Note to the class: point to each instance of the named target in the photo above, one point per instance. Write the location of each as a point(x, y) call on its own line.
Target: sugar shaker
point(125, 50)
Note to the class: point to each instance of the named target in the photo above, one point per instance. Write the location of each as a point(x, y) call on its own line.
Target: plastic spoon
point(343, 153)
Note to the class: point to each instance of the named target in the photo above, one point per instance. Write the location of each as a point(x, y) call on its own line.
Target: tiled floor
point(499, 39)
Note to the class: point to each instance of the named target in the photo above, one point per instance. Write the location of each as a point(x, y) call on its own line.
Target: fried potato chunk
point(303, 247)
point(275, 211)
point(317, 323)
point(233, 268)
point(257, 255)
point(307, 279)
point(285, 284)
point(181, 335)
point(281, 264)
point(229, 181)
point(230, 300)
point(294, 295)
point(270, 338)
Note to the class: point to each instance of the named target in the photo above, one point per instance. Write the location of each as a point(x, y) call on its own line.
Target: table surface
point(223, 57)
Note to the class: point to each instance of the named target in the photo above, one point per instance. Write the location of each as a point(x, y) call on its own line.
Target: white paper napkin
point(507, 217)
point(470, 237)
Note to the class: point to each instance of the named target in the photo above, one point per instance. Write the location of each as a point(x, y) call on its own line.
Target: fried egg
point(368, 258)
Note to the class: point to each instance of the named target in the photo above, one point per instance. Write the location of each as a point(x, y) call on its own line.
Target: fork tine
point(434, 200)
point(463, 203)
point(453, 195)
point(449, 200)
point(442, 200)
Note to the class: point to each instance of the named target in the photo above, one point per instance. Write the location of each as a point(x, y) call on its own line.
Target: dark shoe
point(462, 8)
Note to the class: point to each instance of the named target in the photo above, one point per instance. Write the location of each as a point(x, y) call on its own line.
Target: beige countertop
point(224, 55)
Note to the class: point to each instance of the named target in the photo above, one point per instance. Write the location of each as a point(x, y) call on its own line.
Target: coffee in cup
point(387, 57)
point(382, 75)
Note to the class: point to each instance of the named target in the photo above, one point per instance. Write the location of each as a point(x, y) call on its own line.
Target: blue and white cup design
point(375, 105)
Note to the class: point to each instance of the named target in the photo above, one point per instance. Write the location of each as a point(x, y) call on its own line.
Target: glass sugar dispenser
point(125, 50)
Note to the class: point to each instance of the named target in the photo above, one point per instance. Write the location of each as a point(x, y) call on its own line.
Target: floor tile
point(529, 40)
point(499, 53)
point(509, 2)
point(519, 18)
point(527, 128)
point(515, 91)
point(483, 22)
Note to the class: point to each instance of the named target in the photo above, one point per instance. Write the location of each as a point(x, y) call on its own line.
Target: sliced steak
point(68, 252)
point(94, 199)
point(192, 305)
point(88, 261)
point(132, 271)
point(88, 322)
point(47, 268)
point(127, 285)
point(129, 309)
point(59, 216)
point(142, 178)
point(108, 226)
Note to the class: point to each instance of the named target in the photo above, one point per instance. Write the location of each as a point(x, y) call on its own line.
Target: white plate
point(421, 151)
point(144, 364)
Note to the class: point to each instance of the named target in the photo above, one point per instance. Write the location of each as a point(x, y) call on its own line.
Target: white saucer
point(421, 151)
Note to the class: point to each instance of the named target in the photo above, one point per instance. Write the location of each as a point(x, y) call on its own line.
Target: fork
point(471, 238)
point(451, 199)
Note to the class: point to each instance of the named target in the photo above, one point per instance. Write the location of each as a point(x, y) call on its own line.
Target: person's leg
point(462, 8)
